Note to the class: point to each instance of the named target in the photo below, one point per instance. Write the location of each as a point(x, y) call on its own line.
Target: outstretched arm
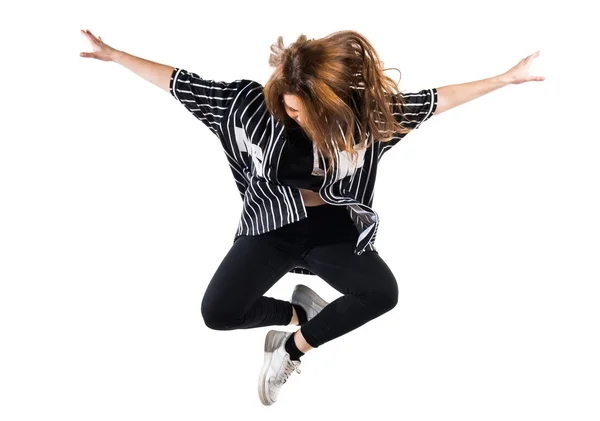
point(453, 95)
point(156, 73)
point(208, 100)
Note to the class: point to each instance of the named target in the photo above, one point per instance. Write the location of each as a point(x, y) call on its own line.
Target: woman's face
point(293, 107)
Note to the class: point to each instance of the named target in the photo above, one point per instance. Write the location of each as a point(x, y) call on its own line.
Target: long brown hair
point(325, 73)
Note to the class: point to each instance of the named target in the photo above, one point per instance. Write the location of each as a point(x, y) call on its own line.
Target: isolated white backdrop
point(117, 206)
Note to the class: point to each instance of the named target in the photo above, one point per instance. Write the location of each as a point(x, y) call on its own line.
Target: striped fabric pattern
point(252, 140)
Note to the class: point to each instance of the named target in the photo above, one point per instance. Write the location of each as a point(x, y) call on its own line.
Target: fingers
point(529, 60)
point(90, 36)
point(534, 79)
point(532, 56)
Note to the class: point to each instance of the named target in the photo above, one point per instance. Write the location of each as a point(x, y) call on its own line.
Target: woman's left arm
point(453, 95)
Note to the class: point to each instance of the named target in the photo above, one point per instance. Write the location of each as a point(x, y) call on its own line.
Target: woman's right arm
point(209, 100)
point(155, 73)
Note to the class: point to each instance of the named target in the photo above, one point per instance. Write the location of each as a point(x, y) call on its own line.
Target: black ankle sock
point(292, 349)
point(302, 318)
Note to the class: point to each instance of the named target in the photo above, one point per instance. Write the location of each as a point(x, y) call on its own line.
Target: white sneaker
point(308, 300)
point(276, 368)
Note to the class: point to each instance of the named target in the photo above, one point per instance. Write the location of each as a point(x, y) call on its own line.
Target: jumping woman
point(304, 150)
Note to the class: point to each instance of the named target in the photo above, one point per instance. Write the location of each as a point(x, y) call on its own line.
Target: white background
point(117, 205)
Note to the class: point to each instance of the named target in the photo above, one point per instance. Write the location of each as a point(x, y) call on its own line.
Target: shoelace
point(290, 365)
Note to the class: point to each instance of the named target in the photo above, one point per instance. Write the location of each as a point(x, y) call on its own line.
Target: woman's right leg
point(234, 297)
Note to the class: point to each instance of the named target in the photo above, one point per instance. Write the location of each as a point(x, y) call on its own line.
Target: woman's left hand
point(520, 72)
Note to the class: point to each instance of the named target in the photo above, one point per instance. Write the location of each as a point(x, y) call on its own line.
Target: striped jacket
point(253, 139)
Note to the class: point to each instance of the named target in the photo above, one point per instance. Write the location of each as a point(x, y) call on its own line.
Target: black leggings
point(324, 244)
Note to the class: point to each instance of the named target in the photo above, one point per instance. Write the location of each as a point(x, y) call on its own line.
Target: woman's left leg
point(369, 287)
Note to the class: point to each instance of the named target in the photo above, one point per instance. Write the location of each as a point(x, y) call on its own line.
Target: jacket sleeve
point(417, 107)
point(208, 100)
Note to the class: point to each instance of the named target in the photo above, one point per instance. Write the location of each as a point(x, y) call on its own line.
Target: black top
point(297, 161)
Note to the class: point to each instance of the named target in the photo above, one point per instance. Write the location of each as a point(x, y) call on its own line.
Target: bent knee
point(385, 301)
point(382, 300)
point(217, 319)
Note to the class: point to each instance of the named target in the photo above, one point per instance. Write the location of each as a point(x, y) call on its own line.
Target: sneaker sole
point(270, 345)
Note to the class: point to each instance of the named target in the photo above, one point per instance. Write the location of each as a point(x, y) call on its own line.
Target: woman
point(304, 151)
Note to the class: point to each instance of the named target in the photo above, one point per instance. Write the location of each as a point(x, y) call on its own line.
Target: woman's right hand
point(101, 51)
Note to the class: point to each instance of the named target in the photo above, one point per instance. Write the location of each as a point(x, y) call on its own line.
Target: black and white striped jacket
point(252, 140)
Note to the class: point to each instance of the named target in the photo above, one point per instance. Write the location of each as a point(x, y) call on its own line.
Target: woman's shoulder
point(250, 92)
point(254, 84)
